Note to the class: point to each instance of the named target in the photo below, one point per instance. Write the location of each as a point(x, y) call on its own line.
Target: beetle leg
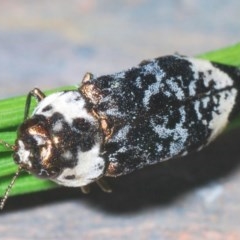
point(37, 94)
point(87, 77)
point(85, 189)
point(104, 185)
point(101, 183)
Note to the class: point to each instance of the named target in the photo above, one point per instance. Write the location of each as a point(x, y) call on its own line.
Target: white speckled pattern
point(89, 167)
point(70, 104)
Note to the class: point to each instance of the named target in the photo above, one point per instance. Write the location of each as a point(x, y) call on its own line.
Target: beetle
point(115, 124)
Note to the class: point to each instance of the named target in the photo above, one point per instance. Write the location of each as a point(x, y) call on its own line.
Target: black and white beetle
point(115, 124)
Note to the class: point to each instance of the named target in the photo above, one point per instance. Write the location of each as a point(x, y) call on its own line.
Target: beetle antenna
point(5, 196)
point(7, 145)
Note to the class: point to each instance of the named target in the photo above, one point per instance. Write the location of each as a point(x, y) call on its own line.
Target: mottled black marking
point(47, 108)
point(234, 73)
point(69, 177)
point(171, 107)
point(80, 136)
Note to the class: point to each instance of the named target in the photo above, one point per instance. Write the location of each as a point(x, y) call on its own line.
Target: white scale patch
point(205, 101)
point(138, 82)
point(220, 120)
point(225, 104)
point(39, 139)
point(154, 88)
point(89, 168)
point(121, 134)
point(65, 104)
point(23, 154)
point(223, 80)
point(196, 108)
point(192, 88)
point(67, 155)
point(57, 127)
point(176, 89)
point(179, 134)
point(119, 75)
point(152, 68)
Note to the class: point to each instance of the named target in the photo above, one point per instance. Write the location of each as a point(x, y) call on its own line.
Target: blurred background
point(53, 43)
point(50, 44)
